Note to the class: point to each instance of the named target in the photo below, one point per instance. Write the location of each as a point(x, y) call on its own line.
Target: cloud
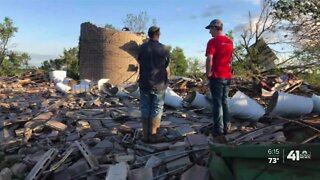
point(209, 11)
point(212, 11)
point(268, 36)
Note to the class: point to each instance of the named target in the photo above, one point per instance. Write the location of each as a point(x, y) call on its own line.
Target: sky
point(46, 27)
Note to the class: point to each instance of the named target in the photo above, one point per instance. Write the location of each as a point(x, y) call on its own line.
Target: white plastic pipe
point(62, 88)
point(243, 107)
point(57, 76)
point(86, 82)
point(172, 99)
point(133, 91)
point(80, 88)
point(66, 80)
point(198, 100)
point(284, 104)
point(316, 103)
point(101, 86)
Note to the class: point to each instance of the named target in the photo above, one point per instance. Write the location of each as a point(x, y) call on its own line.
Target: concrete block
point(19, 132)
point(82, 125)
point(102, 147)
point(78, 167)
point(6, 174)
point(196, 172)
point(153, 161)
point(142, 173)
point(95, 125)
point(62, 174)
point(44, 116)
point(197, 140)
point(118, 172)
point(178, 163)
point(160, 146)
point(19, 169)
point(93, 177)
point(56, 125)
point(178, 145)
point(185, 130)
point(73, 137)
point(110, 123)
point(172, 157)
point(89, 135)
point(124, 158)
point(133, 125)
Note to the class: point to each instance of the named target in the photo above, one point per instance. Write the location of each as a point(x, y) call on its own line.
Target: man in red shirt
point(218, 70)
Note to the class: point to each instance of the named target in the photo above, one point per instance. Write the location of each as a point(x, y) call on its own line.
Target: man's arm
point(209, 65)
point(209, 53)
point(139, 54)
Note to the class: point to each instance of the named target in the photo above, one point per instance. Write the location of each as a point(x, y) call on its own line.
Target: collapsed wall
point(108, 53)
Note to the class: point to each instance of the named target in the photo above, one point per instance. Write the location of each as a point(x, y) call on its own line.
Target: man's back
point(153, 59)
point(221, 47)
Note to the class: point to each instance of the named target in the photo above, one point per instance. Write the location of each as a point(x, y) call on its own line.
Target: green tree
point(11, 63)
point(68, 61)
point(178, 65)
point(110, 26)
point(302, 23)
point(194, 68)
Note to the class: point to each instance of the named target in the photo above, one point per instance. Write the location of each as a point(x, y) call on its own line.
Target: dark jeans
point(151, 103)
point(219, 91)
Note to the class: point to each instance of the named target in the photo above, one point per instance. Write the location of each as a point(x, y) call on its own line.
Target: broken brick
point(56, 125)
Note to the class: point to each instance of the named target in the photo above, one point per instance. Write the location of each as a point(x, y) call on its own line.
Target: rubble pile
point(92, 134)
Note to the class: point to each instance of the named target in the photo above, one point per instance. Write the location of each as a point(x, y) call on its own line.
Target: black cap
point(215, 23)
point(153, 29)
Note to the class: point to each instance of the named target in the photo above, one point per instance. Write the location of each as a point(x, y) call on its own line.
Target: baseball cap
point(153, 29)
point(215, 23)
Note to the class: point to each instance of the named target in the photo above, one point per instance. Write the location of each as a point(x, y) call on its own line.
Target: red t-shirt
point(221, 47)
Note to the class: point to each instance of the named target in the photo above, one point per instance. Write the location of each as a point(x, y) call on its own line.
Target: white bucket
point(316, 103)
point(172, 99)
point(101, 83)
point(284, 104)
point(198, 100)
point(57, 76)
point(62, 88)
point(243, 107)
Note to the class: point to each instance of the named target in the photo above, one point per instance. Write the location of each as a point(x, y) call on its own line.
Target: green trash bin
point(264, 162)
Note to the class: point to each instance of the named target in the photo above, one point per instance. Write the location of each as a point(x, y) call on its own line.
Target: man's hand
point(209, 74)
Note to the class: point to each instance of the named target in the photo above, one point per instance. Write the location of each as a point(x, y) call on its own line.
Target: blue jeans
point(219, 91)
point(151, 103)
